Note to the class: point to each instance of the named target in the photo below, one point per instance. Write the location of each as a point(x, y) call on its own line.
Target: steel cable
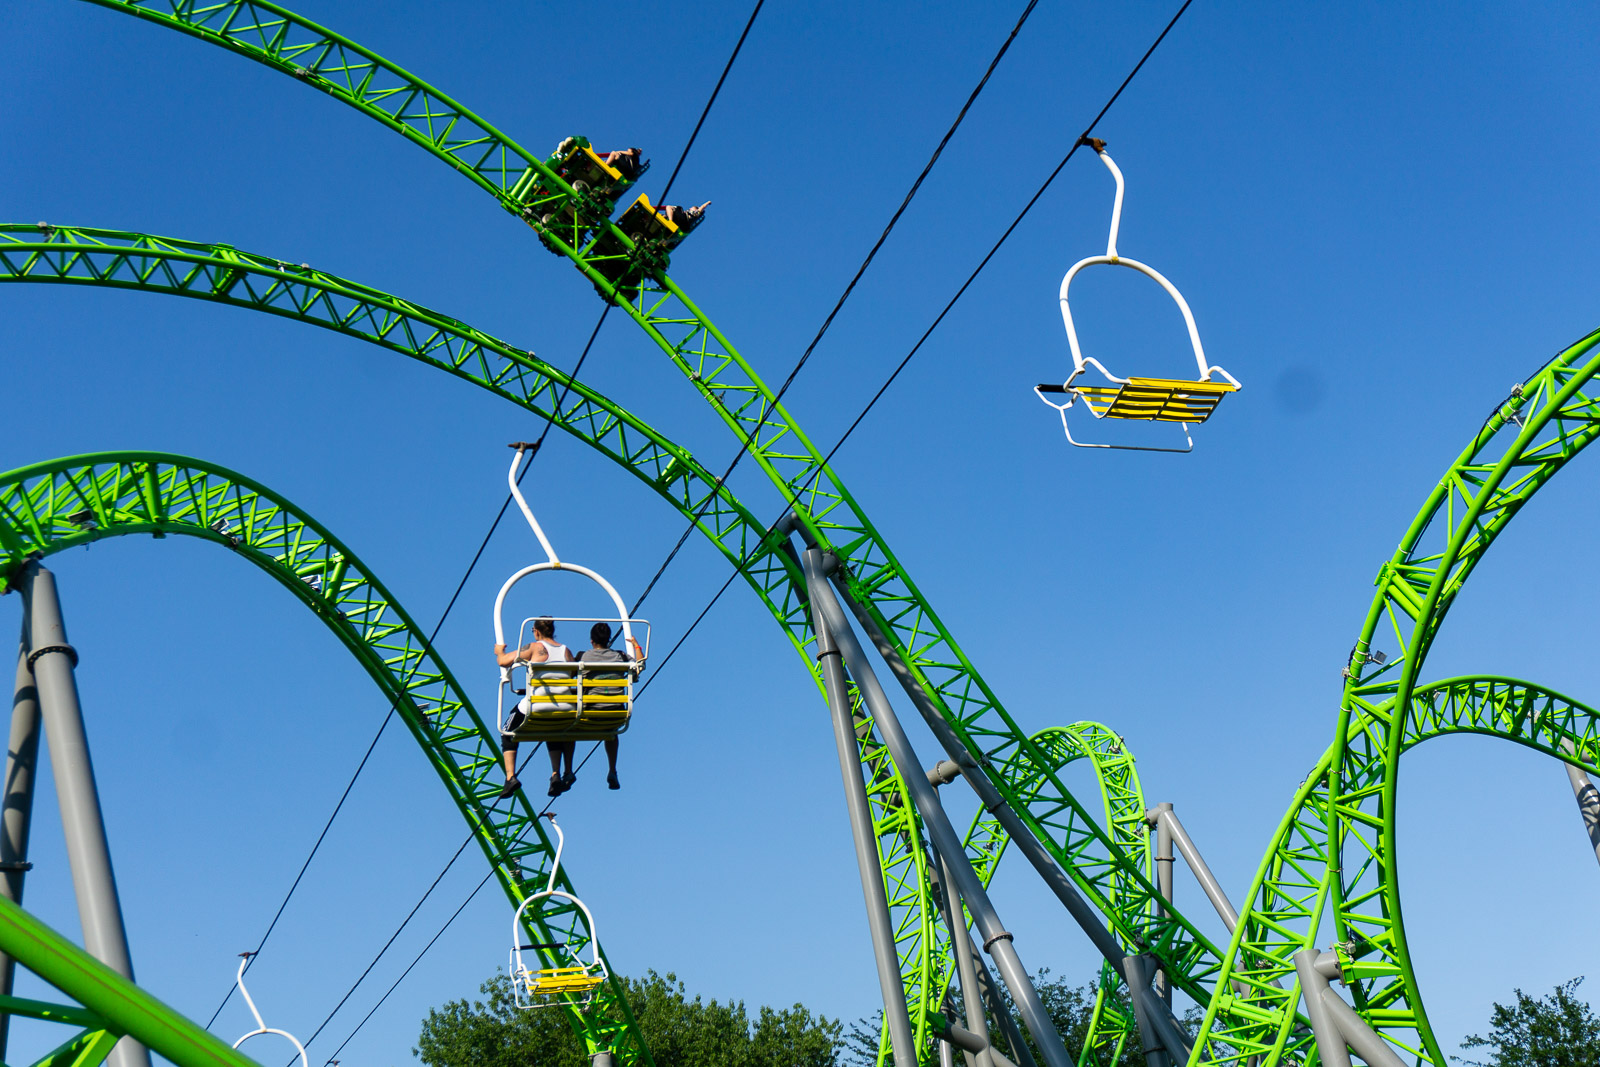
point(926, 333)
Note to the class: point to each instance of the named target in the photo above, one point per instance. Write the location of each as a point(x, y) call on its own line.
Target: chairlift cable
point(1081, 140)
point(432, 636)
point(504, 507)
point(712, 99)
point(894, 220)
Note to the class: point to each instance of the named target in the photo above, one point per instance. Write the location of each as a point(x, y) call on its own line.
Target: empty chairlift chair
point(573, 701)
point(1178, 400)
point(571, 981)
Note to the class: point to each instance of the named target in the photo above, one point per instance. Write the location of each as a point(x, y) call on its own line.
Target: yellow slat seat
point(556, 980)
point(1156, 399)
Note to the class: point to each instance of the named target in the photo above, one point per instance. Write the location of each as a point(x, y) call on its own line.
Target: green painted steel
point(112, 1005)
point(336, 66)
point(48, 507)
point(1298, 880)
point(1335, 851)
point(144, 263)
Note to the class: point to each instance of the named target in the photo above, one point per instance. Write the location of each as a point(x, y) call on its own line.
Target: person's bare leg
point(509, 757)
point(611, 758)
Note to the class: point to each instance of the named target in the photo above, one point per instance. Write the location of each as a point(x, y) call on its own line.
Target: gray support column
point(53, 660)
point(1008, 1025)
point(1021, 836)
point(599, 1059)
point(1197, 865)
point(1588, 798)
point(1335, 1023)
point(966, 974)
point(997, 940)
point(16, 810)
point(947, 1054)
point(1155, 1050)
point(1163, 987)
point(902, 1043)
point(1330, 1042)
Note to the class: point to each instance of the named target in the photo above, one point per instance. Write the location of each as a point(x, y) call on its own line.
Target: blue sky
point(1382, 216)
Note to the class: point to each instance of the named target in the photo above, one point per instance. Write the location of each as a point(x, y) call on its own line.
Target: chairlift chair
point(1178, 400)
point(584, 701)
point(574, 982)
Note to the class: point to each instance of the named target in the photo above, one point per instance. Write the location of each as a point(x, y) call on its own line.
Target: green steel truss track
point(138, 262)
point(49, 507)
point(338, 67)
point(1335, 853)
point(109, 1005)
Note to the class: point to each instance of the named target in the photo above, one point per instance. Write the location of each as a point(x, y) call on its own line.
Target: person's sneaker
point(556, 788)
point(611, 781)
point(567, 780)
point(511, 786)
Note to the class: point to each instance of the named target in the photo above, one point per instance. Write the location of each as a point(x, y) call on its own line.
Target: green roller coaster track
point(997, 748)
point(1249, 989)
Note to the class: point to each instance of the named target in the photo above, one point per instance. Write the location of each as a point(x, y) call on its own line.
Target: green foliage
point(1558, 1030)
point(680, 1032)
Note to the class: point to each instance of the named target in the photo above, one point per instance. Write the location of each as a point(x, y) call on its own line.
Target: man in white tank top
point(544, 648)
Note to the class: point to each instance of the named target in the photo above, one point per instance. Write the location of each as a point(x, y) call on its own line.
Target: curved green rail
point(219, 273)
point(1348, 803)
point(336, 66)
point(48, 507)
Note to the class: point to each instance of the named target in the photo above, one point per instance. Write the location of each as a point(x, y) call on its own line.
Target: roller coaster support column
point(1021, 836)
point(1588, 798)
point(901, 1042)
point(99, 911)
point(996, 938)
point(955, 920)
point(1008, 1025)
point(1177, 835)
point(16, 804)
point(1163, 828)
point(1335, 1023)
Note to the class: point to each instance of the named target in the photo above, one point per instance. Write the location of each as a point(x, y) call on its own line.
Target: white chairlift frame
point(552, 563)
point(1081, 363)
point(261, 1026)
point(595, 968)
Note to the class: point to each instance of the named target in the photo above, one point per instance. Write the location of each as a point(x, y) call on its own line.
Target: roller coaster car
point(653, 235)
point(597, 183)
point(587, 700)
point(574, 983)
point(1176, 400)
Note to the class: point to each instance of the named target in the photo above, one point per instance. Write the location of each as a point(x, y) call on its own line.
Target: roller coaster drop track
point(1250, 990)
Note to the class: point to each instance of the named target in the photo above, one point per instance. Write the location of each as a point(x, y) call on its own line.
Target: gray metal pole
point(1330, 1042)
point(1155, 1050)
point(53, 660)
point(902, 1043)
point(1021, 836)
point(1197, 865)
point(997, 940)
point(1019, 1047)
point(961, 947)
point(1163, 987)
point(1588, 798)
point(16, 810)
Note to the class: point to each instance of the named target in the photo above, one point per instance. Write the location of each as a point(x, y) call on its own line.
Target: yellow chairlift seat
point(1155, 399)
point(577, 702)
point(554, 981)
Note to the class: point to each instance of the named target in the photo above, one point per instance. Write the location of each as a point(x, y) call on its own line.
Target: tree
point(1558, 1030)
point(680, 1032)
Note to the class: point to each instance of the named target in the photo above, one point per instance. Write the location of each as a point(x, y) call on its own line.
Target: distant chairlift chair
point(576, 981)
